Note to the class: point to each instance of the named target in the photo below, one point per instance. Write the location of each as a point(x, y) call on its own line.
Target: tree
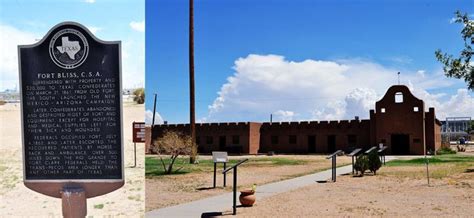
point(172, 144)
point(461, 67)
point(139, 95)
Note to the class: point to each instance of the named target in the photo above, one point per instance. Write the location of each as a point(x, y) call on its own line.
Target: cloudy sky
point(301, 60)
point(27, 21)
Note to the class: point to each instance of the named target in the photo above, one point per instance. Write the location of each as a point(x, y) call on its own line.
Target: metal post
point(427, 171)
point(352, 164)
point(74, 202)
point(424, 147)
point(154, 112)
point(334, 168)
point(215, 165)
point(224, 175)
point(234, 209)
point(135, 154)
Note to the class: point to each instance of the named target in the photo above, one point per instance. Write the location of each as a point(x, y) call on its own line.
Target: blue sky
point(300, 59)
point(25, 21)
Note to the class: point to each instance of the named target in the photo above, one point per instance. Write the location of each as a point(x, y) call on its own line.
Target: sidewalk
point(223, 202)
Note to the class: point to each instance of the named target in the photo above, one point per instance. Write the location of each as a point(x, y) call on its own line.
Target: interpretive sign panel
point(138, 132)
point(220, 157)
point(71, 107)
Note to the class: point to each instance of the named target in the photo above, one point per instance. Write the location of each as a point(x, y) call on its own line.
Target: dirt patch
point(164, 191)
point(379, 195)
point(127, 201)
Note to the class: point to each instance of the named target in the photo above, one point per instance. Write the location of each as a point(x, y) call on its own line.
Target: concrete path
point(223, 202)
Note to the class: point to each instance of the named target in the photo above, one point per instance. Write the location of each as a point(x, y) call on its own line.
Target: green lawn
point(438, 159)
point(440, 166)
point(153, 165)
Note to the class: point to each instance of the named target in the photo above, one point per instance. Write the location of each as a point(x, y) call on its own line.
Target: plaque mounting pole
point(74, 202)
point(135, 154)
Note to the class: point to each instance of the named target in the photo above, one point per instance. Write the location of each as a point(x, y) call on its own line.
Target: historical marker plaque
point(138, 131)
point(71, 112)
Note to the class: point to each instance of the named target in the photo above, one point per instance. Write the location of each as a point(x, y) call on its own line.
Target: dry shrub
point(172, 144)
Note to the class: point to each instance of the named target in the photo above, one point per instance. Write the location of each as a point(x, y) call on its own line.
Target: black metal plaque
point(71, 106)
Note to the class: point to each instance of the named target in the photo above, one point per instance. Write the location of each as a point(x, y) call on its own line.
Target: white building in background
point(455, 127)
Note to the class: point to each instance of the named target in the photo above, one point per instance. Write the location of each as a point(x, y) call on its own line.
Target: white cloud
point(421, 73)
point(133, 59)
point(460, 104)
point(138, 26)
point(10, 38)
point(282, 115)
point(89, 1)
point(94, 29)
point(316, 89)
point(401, 59)
point(149, 117)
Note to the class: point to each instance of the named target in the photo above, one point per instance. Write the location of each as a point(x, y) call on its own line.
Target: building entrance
point(400, 144)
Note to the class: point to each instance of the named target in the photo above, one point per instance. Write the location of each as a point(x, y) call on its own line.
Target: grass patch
point(98, 206)
point(153, 166)
point(3, 168)
point(433, 160)
point(134, 197)
point(440, 166)
point(445, 150)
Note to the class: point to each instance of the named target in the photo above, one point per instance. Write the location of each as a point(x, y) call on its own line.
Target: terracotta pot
point(247, 198)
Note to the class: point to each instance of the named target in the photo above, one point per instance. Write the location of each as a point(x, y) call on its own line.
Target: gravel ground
point(164, 191)
point(373, 196)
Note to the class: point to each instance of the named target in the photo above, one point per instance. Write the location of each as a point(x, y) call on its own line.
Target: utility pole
point(424, 145)
point(192, 117)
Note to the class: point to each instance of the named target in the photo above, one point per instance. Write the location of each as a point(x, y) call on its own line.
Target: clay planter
point(247, 198)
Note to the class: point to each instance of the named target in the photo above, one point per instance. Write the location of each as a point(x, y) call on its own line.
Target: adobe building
point(399, 121)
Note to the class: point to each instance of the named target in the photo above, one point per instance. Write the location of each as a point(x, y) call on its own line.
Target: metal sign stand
point(234, 188)
point(135, 154)
point(333, 156)
point(74, 202)
point(354, 154)
point(370, 150)
point(381, 152)
point(215, 172)
point(138, 132)
point(219, 157)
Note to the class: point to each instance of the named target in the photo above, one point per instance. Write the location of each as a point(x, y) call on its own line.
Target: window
point(382, 110)
point(274, 139)
point(398, 97)
point(209, 140)
point(235, 140)
point(415, 109)
point(292, 139)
